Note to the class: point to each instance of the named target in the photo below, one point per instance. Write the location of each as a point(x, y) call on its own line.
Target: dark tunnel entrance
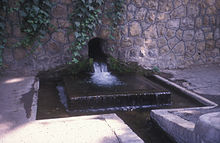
point(96, 51)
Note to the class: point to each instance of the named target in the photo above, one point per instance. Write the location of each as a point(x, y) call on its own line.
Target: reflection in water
point(62, 96)
point(102, 77)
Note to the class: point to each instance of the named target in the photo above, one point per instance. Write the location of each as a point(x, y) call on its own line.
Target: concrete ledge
point(36, 86)
point(184, 131)
point(185, 91)
point(208, 127)
point(122, 131)
point(178, 128)
point(107, 128)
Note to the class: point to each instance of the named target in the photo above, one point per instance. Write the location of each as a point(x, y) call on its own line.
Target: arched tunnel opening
point(96, 50)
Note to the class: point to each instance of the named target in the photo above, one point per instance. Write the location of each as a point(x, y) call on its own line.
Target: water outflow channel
point(128, 96)
point(102, 91)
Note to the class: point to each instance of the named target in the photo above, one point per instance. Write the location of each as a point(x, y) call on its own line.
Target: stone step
point(120, 101)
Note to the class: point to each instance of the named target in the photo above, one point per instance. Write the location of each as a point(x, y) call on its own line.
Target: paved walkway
point(106, 128)
point(203, 79)
point(17, 98)
point(18, 105)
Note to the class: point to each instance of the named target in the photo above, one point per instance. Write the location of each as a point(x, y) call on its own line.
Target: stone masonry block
point(135, 29)
point(165, 5)
point(53, 48)
point(138, 3)
point(172, 42)
point(151, 32)
point(188, 35)
point(173, 24)
point(179, 49)
point(192, 10)
point(199, 35)
point(19, 53)
point(178, 12)
point(60, 11)
point(187, 23)
point(161, 42)
point(140, 14)
point(60, 36)
point(151, 4)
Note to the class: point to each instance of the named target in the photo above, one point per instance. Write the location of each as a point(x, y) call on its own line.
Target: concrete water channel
point(19, 103)
point(197, 124)
point(131, 101)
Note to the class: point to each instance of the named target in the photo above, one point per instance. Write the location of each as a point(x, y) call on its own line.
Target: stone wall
point(154, 33)
point(53, 50)
point(171, 33)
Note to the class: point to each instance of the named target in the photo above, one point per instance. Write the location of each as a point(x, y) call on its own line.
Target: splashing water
point(102, 77)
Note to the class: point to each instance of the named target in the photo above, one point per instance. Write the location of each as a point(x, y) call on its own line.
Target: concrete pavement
point(106, 128)
point(201, 79)
point(18, 101)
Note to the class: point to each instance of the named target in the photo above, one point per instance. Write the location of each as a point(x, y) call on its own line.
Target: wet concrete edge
point(31, 110)
point(122, 131)
point(186, 92)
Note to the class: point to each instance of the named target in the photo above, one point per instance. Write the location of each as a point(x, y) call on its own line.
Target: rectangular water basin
point(136, 91)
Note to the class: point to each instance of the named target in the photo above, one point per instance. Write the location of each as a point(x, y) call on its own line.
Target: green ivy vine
point(3, 11)
point(85, 18)
point(35, 20)
point(115, 15)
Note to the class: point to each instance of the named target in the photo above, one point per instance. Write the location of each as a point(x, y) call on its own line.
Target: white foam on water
point(102, 77)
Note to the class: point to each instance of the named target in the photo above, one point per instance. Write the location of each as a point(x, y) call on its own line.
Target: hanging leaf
point(77, 24)
point(80, 15)
point(74, 60)
point(93, 34)
point(22, 13)
point(90, 1)
point(77, 34)
point(36, 2)
point(36, 9)
point(35, 20)
point(91, 8)
point(34, 27)
point(99, 2)
point(2, 47)
point(42, 32)
point(76, 53)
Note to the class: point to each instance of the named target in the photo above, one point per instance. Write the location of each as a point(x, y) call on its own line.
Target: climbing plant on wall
point(115, 14)
point(85, 18)
point(3, 11)
point(35, 20)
